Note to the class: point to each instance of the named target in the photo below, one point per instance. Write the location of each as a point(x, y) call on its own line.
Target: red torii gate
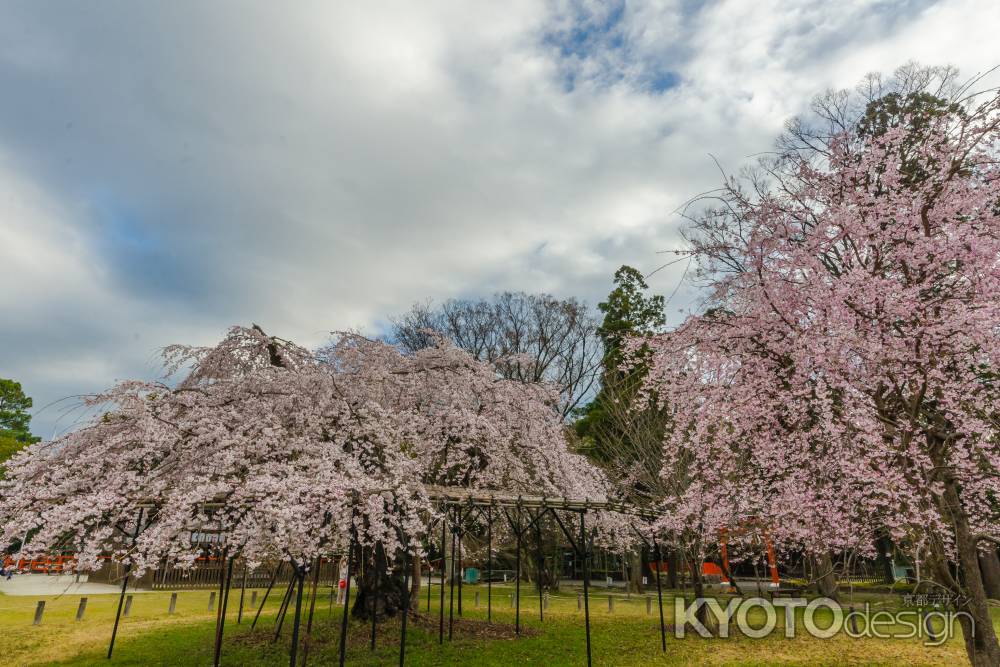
point(742, 530)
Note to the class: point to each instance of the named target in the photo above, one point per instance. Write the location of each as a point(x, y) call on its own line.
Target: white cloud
point(174, 168)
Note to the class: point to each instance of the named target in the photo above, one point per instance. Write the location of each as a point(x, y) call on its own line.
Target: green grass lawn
point(628, 636)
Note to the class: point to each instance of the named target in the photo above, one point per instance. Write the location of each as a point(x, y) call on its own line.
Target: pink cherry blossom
point(286, 453)
point(843, 379)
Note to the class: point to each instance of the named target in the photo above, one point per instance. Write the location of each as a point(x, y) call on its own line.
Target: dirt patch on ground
point(388, 631)
point(475, 629)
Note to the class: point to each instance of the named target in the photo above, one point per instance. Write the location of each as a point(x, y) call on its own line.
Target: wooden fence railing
point(207, 575)
point(862, 579)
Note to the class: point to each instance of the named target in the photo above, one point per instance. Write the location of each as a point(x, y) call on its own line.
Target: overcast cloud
point(169, 169)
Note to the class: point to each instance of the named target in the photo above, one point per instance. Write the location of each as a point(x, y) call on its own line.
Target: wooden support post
point(173, 604)
point(489, 563)
point(270, 585)
point(724, 552)
point(312, 609)
point(211, 601)
point(461, 567)
point(121, 597)
point(539, 565)
point(81, 609)
point(585, 552)
point(451, 582)
point(347, 598)
point(300, 573)
point(928, 627)
point(659, 596)
point(211, 597)
point(243, 590)
point(286, 601)
point(772, 562)
point(444, 567)
point(378, 583)
point(39, 610)
point(128, 606)
point(517, 575)
point(223, 608)
point(406, 604)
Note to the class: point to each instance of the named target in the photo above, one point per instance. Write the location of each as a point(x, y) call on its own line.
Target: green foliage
point(14, 407)
point(9, 445)
point(917, 112)
point(14, 419)
point(611, 432)
point(628, 312)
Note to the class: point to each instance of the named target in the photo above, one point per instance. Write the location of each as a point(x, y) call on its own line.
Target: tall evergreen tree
point(626, 441)
point(14, 419)
point(613, 433)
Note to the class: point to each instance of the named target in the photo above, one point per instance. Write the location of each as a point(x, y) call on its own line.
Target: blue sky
point(169, 169)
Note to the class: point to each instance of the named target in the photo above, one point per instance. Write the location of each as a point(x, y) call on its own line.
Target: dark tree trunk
point(698, 587)
point(550, 572)
point(415, 586)
point(635, 571)
point(989, 567)
point(379, 590)
point(672, 564)
point(728, 574)
point(883, 558)
point(981, 644)
point(534, 571)
point(826, 576)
